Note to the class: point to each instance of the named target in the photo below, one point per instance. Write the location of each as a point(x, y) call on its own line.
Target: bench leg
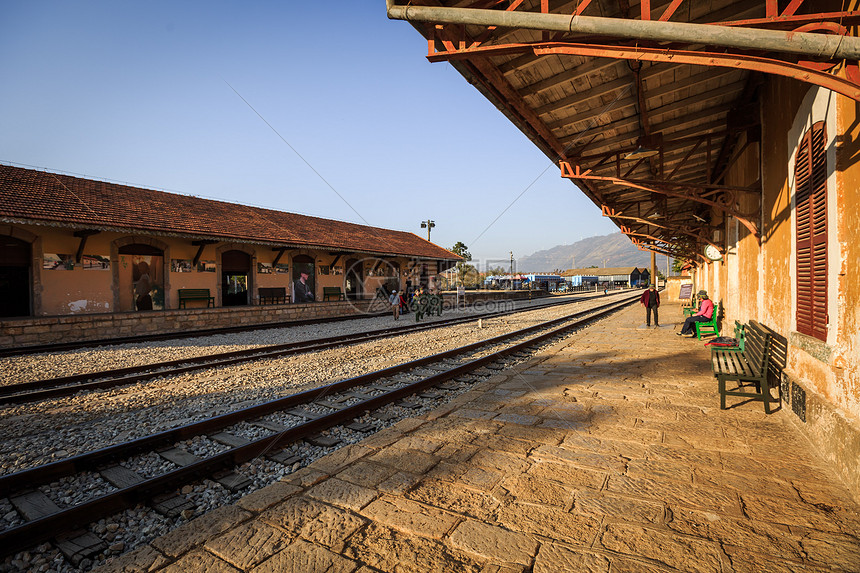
point(765, 395)
point(722, 385)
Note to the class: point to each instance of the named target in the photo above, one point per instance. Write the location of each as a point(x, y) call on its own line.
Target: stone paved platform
point(608, 454)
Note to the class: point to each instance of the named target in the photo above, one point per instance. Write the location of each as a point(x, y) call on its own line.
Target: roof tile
point(43, 197)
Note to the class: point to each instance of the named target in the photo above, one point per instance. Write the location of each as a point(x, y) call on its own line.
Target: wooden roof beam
point(617, 88)
point(607, 144)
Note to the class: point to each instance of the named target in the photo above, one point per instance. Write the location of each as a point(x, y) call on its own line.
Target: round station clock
point(713, 253)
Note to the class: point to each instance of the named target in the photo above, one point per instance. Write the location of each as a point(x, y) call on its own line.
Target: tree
point(463, 269)
point(461, 249)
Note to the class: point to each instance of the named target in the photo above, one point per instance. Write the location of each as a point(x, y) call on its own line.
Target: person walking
point(650, 299)
point(706, 312)
point(394, 300)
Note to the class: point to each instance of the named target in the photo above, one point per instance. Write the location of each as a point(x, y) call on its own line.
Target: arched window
point(810, 176)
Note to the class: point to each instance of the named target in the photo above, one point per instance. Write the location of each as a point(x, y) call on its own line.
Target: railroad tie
point(170, 504)
point(361, 427)
point(273, 426)
point(121, 477)
point(284, 457)
point(229, 439)
point(33, 505)
point(323, 440)
point(80, 545)
point(302, 413)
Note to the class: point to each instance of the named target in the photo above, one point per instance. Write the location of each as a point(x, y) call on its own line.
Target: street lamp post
point(428, 224)
point(512, 270)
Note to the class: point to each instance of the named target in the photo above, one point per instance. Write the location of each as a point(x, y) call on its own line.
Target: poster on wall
point(206, 266)
point(282, 269)
point(337, 270)
point(181, 265)
point(95, 262)
point(303, 282)
point(147, 282)
point(55, 262)
point(324, 269)
point(265, 268)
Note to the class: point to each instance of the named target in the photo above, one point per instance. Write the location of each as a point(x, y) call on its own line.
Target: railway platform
point(607, 452)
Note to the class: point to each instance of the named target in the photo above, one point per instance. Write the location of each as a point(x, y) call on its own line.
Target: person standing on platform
point(651, 301)
point(394, 301)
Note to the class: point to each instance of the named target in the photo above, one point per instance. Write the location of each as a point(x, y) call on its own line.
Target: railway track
point(59, 347)
point(301, 416)
point(67, 385)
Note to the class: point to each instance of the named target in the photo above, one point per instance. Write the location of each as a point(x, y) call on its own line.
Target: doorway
point(15, 260)
point(141, 277)
point(303, 287)
point(353, 281)
point(235, 272)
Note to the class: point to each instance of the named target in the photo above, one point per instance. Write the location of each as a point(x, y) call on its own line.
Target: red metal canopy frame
point(473, 53)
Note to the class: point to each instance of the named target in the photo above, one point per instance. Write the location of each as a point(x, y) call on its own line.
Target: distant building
point(615, 276)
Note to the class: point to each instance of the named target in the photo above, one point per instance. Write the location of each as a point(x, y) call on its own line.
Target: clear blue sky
point(138, 92)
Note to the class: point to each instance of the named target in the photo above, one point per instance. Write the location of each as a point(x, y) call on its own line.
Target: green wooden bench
point(746, 367)
point(710, 326)
point(739, 336)
point(333, 292)
point(695, 301)
point(186, 294)
point(273, 295)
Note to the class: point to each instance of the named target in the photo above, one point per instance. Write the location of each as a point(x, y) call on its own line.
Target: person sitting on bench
point(706, 312)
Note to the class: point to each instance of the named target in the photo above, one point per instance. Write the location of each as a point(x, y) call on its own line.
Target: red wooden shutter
point(810, 170)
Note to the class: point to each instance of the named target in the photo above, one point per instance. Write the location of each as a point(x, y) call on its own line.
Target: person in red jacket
point(651, 301)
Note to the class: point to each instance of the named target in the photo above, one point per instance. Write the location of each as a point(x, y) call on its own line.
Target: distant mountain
point(613, 250)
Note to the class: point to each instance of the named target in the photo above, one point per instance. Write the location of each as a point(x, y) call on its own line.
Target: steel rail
point(92, 460)
point(48, 527)
point(66, 385)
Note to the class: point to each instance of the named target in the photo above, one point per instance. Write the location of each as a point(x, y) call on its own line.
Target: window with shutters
point(810, 175)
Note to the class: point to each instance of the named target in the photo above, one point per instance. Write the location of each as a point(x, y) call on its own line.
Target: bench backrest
point(756, 345)
point(331, 290)
point(193, 292)
point(716, 316)
point(272, 291)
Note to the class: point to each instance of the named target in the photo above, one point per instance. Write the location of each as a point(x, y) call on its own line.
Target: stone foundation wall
point(22, 332)
point(56, 329)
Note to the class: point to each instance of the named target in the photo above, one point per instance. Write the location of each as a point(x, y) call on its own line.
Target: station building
point(72, 247)
point(725, 135)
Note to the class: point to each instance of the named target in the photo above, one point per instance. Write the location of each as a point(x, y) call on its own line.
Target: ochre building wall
point(821, 379)
point(89, 289)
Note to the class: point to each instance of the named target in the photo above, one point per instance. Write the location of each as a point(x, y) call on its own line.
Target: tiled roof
point(605, 272)
point(47, 198)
